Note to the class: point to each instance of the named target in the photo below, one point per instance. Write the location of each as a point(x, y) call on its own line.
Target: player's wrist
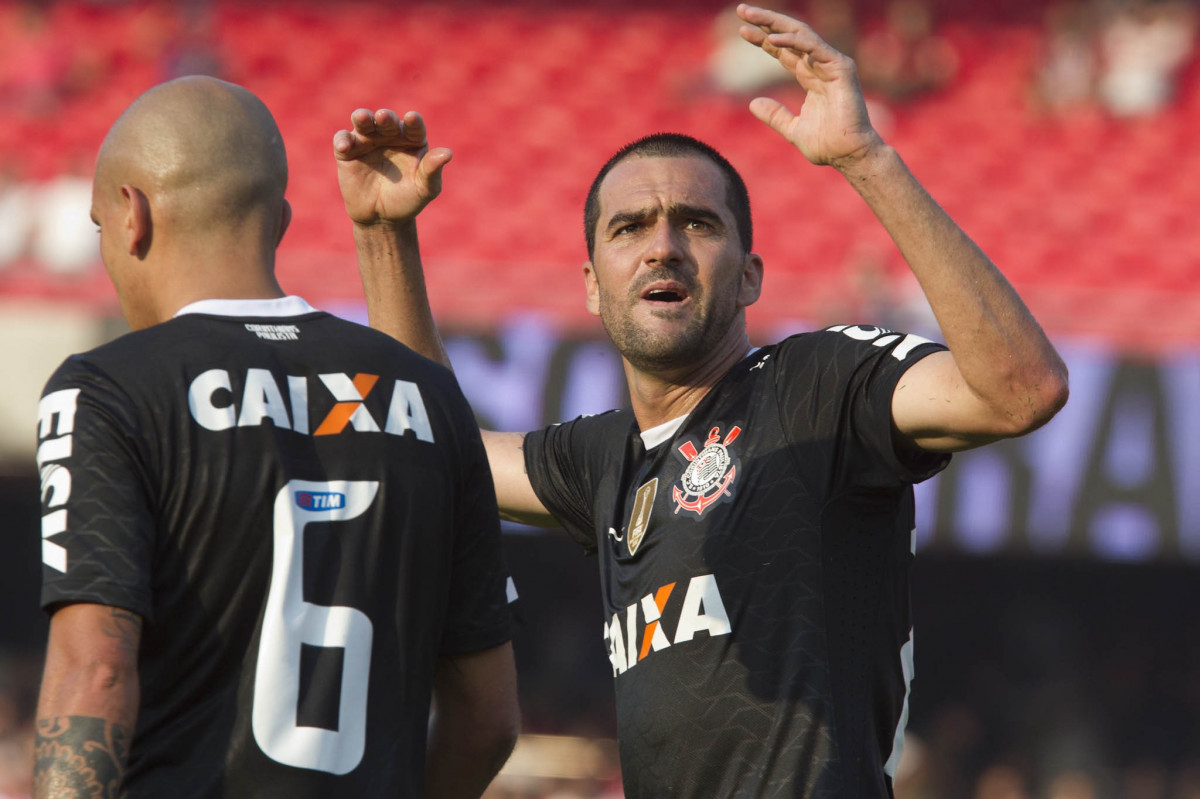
point(869, 161)
point(386, 227)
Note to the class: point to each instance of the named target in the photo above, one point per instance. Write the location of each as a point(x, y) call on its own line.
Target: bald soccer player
point(269, 535)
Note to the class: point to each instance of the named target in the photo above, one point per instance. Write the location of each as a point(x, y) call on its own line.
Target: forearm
point(474, 723)
point(999, 348)
point(85, 724)
point(88, 703)
point(463, 757)
point(389, 261)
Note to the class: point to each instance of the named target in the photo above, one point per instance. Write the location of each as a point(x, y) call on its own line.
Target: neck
point(208, 271)
point(663, 395)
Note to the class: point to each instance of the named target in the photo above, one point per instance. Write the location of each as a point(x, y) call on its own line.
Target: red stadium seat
point(1092, 218)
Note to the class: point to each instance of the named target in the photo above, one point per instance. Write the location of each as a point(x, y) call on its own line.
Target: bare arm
point(387, 175)
point(1002, 377)
point(397, 303)
point(506, 458)
point(88, 704)
point(474, 725)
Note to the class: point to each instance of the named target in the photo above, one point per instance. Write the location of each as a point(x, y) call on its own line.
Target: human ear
point(285, 221)
point(137, 225)
point(593, 288)
point(752, 277)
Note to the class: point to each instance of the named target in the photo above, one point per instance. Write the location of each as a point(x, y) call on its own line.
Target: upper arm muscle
point(935, 409)
point(479, 682)
point(514, 493)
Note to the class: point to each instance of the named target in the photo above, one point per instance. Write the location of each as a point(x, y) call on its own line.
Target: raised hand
point(386, 171)
point(832, 126)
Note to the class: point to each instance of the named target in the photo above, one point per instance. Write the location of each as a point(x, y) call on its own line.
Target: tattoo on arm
point(78, 757)
point(125, 628)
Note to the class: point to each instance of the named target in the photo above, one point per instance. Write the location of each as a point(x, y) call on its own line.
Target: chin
point(670, 351)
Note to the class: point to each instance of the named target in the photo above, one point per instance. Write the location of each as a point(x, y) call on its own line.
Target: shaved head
point(188, 194)
point(207, 153)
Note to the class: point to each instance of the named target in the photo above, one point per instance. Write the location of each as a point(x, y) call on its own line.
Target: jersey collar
point(281, 306)
point(658, 434)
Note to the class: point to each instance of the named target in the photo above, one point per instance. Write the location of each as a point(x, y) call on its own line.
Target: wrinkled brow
point(675, 211)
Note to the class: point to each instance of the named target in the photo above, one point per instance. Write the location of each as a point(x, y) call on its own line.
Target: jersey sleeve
point(98, 523)
point(478, 616)
point(565, 462)
point(838, 384)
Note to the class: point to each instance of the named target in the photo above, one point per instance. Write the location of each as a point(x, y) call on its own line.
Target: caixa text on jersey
point(703, 610)
point(217, 402)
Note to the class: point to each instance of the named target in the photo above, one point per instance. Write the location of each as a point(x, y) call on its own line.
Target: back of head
point(206, 153)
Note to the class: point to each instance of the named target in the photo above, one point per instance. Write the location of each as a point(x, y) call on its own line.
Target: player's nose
point(664, 245)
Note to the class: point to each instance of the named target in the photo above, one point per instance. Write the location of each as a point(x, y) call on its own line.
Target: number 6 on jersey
point(289, 623)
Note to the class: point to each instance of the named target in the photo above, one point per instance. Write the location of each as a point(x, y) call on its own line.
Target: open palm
point(832, 126)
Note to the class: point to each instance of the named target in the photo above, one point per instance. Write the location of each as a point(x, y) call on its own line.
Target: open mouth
point(665, 292)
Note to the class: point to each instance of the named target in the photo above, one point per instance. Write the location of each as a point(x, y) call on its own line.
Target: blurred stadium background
point(1057, 594)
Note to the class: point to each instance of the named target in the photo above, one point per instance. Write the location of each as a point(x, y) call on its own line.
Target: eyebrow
point(691, 211)
point(695, 212)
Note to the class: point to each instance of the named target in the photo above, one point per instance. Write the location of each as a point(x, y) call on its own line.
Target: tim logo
point(320, 500)
point(709, 474)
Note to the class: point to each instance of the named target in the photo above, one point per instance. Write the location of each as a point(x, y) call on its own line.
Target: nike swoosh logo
point(613, 532)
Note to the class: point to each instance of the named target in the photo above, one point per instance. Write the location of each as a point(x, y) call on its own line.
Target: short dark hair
point(673, 145)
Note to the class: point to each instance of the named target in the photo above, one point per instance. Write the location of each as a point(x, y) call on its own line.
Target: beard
point(686, 343)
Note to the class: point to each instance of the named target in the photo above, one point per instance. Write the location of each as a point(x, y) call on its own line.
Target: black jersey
point(754, 562)
point(301, 510)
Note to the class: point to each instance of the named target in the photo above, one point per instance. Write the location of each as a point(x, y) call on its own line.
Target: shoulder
point(98, 370)
point(615, 419)
point(613, 425)
point(132, 364)
point(856, 342)
point(130, 354)
point(387, 349)
point(585, 435)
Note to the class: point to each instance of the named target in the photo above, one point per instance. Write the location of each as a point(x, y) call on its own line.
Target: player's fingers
point(387, 123)
point(772, 113)
point(787, 58)
point(413, 128)
point(363, 121)
point(766, 19)
point(802, 41)
point(779, 32)
point(349, 145)
point(759, 37)
point(754, 35)
point(430, 168)
point(434, 160)
point(343, 145)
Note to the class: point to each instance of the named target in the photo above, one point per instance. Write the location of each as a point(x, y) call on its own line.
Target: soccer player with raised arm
point(753, 513)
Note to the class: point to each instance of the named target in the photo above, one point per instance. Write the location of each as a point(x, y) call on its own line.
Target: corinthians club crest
point(709, 473)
